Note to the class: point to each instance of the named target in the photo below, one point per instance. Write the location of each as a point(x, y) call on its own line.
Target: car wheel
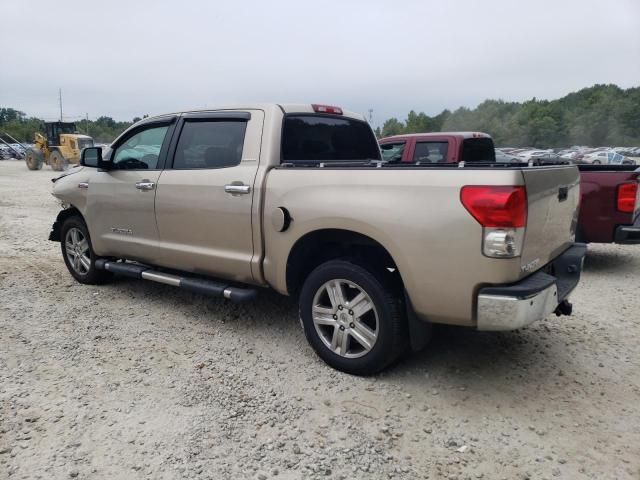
point(57, 161)
point(78, 253)
point(353, 317)
point(33, 159)
point(596, 162)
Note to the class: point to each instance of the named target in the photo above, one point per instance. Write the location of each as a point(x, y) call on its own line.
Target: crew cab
point(438, 147)
point(297, 198)
point(610, 202)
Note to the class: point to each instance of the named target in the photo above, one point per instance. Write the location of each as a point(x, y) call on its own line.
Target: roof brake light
point(326, 109)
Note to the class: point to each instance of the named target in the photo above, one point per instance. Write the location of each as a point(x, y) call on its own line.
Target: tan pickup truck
point(298, 199)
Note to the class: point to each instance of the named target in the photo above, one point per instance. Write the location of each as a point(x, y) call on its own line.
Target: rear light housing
point(627, 197)
point(326, 109)
point(502, 212)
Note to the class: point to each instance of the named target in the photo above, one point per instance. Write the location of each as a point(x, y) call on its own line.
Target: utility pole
point(370, 116)
point(60, 98)
point(87, 123)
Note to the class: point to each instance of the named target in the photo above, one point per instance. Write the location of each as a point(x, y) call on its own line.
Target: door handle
point(145, 185)
point(237, 188)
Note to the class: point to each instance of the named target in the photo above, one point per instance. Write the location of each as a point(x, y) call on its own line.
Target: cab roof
point(462, 135)
point(285, 108)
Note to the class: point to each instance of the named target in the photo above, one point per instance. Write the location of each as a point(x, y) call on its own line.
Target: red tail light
point(627, 197)
point(496, 206)
point(326, 109)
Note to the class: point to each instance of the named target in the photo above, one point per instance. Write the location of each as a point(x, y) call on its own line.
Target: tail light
point(627, 193)
point(326, 109)
point(502, 212)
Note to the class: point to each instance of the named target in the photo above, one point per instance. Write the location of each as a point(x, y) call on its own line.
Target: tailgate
point(553, 195)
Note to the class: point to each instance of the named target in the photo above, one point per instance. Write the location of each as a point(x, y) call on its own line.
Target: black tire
point(33, 159)
point(87, 273)
point(57, 161)
point(386, 296)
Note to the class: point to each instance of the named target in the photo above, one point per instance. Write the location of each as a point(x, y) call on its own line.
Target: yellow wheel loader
point(60, 146)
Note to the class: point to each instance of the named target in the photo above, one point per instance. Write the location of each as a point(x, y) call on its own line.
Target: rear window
point(327, 138)
point(478, 150)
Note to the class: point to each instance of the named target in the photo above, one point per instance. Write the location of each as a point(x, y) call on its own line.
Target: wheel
point(353, 317)
point(78, 253)
point(33, 159)
point(596, 162)
point(57, 161)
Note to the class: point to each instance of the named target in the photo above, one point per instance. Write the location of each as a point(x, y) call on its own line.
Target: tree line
point(602, 115)
point(22, 128)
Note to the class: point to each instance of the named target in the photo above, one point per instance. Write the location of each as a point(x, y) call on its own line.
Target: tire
point(57, 161)
point(360, 341)
point(78, 253)
point(33, 159)
point(595, 162)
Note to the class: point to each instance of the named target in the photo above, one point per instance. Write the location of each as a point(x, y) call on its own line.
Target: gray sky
point(128, 58)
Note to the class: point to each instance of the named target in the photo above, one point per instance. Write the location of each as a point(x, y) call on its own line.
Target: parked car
point(297, 198)
point(439, 147)
point(502, 157)
point(606, 157)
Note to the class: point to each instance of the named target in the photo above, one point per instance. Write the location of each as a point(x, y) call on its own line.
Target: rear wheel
point(33, 159)
point(353, 317)
point(78, 253)
point(57, 161)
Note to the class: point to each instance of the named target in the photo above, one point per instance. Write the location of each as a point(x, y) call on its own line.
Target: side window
point(392, 152)
point(431, 152)
point(209, 144)
point(141, 150)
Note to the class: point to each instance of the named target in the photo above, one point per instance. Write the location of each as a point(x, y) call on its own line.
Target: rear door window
point(308, 137)
point(431, 152)
point(392, 152)
point(209, 144)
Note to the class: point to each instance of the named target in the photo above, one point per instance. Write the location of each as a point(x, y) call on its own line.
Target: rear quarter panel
point(416, 214)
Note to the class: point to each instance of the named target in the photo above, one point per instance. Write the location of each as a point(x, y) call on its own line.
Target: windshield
point(84, 143)
point(308, 137)
point(478, 150)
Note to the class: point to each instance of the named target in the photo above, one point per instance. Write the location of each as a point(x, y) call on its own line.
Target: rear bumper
point(513, 306)
point(628, 234)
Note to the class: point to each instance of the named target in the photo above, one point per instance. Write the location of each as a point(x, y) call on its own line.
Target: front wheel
point(78, 253)
point(353, 317)
point(33, 159)
point(57, 161)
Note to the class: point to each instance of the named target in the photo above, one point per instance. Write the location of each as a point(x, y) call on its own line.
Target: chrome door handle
point(237, 188)
point(83, 185)
point(145, 185)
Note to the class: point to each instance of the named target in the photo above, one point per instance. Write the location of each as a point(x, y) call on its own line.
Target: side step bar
point(197, 285)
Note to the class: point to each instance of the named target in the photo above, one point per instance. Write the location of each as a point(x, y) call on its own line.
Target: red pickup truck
point(609, 200)
point(438, 147)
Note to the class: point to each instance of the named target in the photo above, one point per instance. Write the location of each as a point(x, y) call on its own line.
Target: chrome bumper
point(514, 306)
point(509, 313)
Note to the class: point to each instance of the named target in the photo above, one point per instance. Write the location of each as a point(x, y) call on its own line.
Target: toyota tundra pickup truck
point(297, 198)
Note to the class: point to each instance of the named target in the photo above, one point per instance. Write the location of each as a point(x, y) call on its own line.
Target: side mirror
point(92, 157)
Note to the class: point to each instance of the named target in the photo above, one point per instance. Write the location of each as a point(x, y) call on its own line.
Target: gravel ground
point(140, 380)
